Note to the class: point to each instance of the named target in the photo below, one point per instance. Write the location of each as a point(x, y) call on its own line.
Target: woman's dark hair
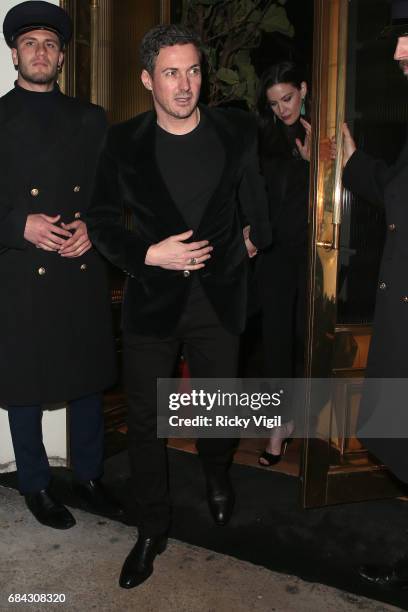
point(272, 139)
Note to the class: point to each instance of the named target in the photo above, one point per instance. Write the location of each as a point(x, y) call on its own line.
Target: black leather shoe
point(386, 575)
point(220, 496)
point(139, 562)
point(97, 499)
point(48, 511)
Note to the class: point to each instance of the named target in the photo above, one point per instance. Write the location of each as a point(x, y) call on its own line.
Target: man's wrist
point(149, 259)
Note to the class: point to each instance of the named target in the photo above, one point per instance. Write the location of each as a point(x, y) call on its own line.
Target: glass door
point(354, 73)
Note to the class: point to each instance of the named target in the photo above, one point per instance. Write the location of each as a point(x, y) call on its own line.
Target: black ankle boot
point(48, 511)
point(220, 495)
point(386, 575)
point(97, 499)
point(139, 563)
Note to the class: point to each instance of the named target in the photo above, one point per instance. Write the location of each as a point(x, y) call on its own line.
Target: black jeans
point(211, 352)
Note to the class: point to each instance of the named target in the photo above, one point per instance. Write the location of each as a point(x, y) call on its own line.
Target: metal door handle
point(333, 244)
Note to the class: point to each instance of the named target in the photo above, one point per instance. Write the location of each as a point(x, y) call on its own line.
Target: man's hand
point(251, 248)
point(42, 231)
point(79, 242)
point(174, 253)
point(349, 146)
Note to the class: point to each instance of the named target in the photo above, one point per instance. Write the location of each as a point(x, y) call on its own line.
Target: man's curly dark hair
point(165, 36)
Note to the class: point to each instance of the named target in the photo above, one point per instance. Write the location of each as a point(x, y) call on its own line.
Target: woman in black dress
point(282, 269)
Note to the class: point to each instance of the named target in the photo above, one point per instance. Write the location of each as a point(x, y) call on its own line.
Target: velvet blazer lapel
point(230, 142)
point(151, 186)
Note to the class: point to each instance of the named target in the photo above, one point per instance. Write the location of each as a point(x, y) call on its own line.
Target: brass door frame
point(330, 19)
point(326, 477)
point(101, 36)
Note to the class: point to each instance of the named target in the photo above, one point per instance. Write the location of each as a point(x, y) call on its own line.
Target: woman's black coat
point(282, 268)
point(55, 320)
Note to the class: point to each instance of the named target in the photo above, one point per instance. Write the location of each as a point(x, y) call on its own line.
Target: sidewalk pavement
point(83, 564)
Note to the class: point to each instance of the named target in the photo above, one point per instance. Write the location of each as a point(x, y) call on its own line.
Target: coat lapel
point(151, 186)
point(228, 140)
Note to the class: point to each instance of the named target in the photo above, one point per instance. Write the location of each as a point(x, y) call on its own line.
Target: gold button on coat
point(77, 215)
point(392, 227)
point(83, 267)
point(383, 286)
point(77, 188)
point(41, 271)
point(405, 299)
point(34, 192)
point(186, 273)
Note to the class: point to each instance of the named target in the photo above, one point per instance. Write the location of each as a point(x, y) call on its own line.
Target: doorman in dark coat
point(386, 186)
point(183, 171)
point(55, 322)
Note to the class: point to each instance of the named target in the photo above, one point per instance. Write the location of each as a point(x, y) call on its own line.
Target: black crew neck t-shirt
point(191, 166)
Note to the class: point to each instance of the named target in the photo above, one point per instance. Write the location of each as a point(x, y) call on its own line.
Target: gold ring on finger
point(193, 261)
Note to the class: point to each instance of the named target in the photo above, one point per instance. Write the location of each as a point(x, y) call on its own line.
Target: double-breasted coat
point(56, 338)
point(128, 177)
point(387, 186)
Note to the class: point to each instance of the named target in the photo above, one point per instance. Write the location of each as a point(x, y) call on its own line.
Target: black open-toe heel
point(270, 459)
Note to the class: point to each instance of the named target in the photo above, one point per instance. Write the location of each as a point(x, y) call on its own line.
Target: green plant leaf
point(242, 8)
point(255, 17)
point(246, 71)
point(226, 75)
point(242, 57)
point(211, 57)
point(276, 20)
point(204, 2)
point(222, 24)
point(240, 90)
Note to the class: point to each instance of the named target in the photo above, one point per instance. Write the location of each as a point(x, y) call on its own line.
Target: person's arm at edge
point(253, 196)
point(105, 218)
point(362, 174)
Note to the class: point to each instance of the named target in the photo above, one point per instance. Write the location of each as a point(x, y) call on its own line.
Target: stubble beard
point(38, 78)
point(176, 113)
point(403, 64)
point(181, 114)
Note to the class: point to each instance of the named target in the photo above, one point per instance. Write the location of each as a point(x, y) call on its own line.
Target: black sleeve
point(12, 227)
point(367, 177)
point(253, 197)
point(105, 218)
point(96, 124)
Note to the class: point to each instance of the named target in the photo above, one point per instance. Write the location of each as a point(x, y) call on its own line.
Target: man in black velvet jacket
point(188, 174)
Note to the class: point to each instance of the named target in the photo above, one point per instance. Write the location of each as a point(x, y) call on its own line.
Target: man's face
point(37, 55)
point(401, 54)
point(176, 81)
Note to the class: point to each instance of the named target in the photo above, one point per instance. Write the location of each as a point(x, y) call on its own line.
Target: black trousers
point(86, 437)
point(211, 352)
